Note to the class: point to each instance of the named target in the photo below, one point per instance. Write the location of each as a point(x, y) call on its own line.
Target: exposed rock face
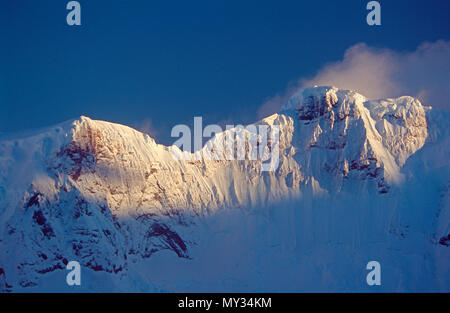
point(343, 133)
point(108, 196)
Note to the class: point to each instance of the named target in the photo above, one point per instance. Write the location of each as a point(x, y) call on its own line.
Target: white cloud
point(381, 73)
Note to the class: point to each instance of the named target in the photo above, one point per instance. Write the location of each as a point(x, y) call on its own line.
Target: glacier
point(358, 180)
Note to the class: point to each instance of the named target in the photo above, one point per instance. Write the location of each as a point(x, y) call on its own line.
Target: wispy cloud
point(381, 73)
point(146, 126)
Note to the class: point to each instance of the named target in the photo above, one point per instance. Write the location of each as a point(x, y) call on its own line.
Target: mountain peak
point(344, 132)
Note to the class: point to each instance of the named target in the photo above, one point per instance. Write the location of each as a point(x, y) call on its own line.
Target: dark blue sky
point(168, 61)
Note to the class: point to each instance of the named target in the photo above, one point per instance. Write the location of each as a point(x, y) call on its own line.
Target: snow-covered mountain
point(357, 180)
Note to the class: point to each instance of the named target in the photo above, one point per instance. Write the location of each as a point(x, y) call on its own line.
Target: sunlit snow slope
point(358, 180)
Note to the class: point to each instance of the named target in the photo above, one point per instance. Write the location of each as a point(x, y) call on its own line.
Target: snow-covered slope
point(357, 180)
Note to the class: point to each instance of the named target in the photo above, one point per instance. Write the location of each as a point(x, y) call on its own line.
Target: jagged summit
point(373, 136)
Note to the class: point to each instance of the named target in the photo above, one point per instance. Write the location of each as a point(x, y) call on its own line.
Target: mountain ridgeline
point(357, 180)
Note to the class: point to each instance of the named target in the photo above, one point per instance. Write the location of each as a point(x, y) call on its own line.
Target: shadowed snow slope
point(357, 180)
